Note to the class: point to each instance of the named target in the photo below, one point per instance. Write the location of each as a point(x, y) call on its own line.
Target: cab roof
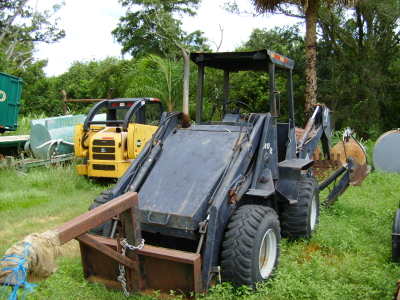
point(242, 61)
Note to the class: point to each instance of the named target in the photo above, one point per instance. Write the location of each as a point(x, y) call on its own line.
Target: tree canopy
point(310, 9)
point(151, 27)
point(358, 70)
point(21, 27)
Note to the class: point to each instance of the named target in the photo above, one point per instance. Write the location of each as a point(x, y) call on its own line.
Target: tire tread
point(237, 247)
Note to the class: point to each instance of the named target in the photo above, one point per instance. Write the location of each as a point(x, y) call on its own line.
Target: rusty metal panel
point(162, 269)
point(98, 267)
point(165, 275)
point(89, 241)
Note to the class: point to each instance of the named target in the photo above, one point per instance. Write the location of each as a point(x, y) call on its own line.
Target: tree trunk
point(311, 54)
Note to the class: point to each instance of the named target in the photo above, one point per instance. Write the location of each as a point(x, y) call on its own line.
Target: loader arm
point(130, 180)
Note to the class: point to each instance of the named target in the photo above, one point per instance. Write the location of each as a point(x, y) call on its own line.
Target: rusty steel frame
point(93, 218)
point(149, 268)
point(162, 269)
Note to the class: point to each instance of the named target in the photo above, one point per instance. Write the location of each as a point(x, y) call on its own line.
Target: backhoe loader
point(218, 196)
point(211, 201)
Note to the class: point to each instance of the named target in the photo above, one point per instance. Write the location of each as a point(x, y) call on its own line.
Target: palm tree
point(310, 9)
point(159, 77)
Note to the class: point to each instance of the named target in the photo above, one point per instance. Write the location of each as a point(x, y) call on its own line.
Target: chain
point(202, 230)
point(125, 245)
point(121, 277)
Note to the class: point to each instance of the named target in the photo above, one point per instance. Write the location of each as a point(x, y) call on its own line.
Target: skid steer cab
point(114, 133)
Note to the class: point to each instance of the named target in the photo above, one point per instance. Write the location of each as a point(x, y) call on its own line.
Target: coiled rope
point(18, 274)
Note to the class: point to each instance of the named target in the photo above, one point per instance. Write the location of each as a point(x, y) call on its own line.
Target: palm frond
point(267, 5)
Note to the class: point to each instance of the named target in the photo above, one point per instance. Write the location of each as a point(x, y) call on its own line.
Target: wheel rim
point(313, 213)
point(267, 256)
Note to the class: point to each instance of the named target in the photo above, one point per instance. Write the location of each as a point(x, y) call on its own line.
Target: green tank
point(10, 95)
point(52, 136)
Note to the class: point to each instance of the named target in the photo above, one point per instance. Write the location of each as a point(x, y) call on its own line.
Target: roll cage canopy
point(242, 61)
point(260, 60)
point(133, 106)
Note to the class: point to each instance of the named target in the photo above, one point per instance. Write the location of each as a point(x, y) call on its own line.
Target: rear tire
point(250, 250)
point(396, 238)
point(301, 219)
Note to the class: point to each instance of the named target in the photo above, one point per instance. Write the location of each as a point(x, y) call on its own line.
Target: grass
point(24, 124)
point(348, 257)
point(40, 199)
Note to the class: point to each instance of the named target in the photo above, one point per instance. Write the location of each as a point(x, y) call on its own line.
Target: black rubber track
point(396, 237)
point(241, 246)
point(295, 218)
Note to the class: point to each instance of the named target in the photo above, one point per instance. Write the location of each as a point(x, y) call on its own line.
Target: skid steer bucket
point(118, 265)
point(152, 268)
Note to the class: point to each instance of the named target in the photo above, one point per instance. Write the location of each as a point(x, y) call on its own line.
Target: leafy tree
point(309, 8)
point(359, 65)
point(154, 29)
point(21, 26)
point(150, 27)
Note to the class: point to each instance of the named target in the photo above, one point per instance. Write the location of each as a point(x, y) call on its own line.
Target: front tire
point(300, 220)
point(250, 250)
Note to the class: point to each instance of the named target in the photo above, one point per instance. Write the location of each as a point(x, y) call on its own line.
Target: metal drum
point(386, 152)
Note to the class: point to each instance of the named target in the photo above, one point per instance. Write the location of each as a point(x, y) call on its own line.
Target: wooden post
point(64, 94)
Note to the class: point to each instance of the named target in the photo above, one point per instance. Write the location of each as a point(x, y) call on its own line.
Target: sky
point(88, 25)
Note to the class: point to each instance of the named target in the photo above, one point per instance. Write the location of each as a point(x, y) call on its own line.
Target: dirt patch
point(310, 250)
point(313, 249)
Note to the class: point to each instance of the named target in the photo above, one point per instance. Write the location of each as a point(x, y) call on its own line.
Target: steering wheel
point(239, 104)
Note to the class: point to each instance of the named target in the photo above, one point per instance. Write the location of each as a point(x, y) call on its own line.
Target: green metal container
point(10, 95)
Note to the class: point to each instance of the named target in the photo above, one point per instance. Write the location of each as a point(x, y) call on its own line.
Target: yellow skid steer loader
point(114, 133)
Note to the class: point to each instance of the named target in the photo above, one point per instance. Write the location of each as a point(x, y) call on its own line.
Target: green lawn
point(348, 257)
